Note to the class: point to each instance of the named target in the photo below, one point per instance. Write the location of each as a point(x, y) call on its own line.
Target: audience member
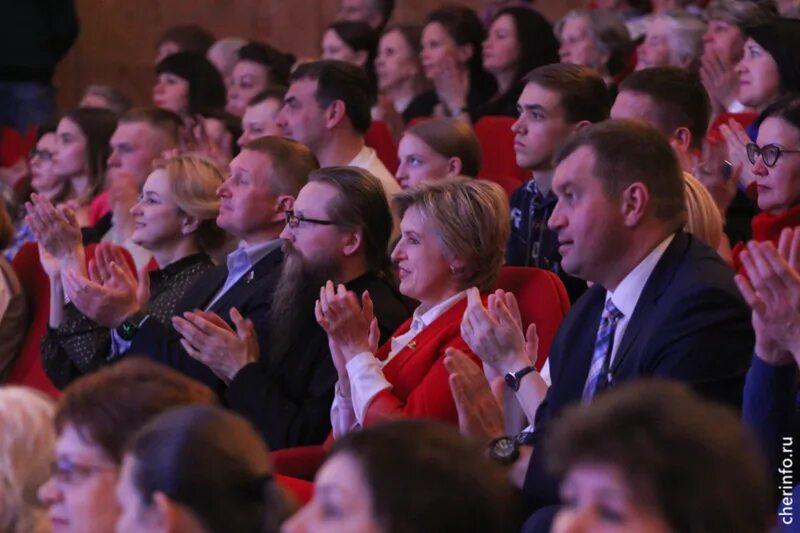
point(452, 237)
point(557, 100)
point(26, 452)
point(376, 13)
point(260, 118)
point(401, 83)
point(657, 458)
point(338, 230)
point(663, 302)
point(39, 36)
point(703, 219)
point(352, 42)
point(183, 38)
point(198, 469)
point(95, 418)
point(175, 222)
point(408, 475)
point(675, 38)
point(519, 40)
point(452, 61)
point(723, 47)
point(13, 302)
point(437, 148)
point(224, 54)
point(188, 84)
point(776, 167)
point(264, 180)
point(106, 97)
point(327, 108)
point(596, 39)
point(81, 154)
point(259, 66)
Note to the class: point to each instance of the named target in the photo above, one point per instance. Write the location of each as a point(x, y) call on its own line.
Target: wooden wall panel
point(117, 40)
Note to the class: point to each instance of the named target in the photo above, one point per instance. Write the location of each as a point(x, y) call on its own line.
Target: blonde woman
point(27, 438)
point(704, 219)
point(175, 220)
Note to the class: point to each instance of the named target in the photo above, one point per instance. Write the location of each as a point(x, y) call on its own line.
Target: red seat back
point(497, 149)
point(380, 138)
point(542, 300)
point(300, 489)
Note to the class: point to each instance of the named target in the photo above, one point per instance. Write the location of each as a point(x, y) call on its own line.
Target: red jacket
point(420, 382)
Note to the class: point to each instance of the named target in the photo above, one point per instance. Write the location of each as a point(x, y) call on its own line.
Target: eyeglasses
point(68, 472)
point(769, 153)
point(44, 155)
point(293, 220)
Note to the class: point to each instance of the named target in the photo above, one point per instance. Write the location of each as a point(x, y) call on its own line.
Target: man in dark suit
point(264, 180)
point(338, 230)
point(663, 304)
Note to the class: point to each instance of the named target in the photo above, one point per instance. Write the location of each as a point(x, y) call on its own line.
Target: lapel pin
point(412, 345)
point(250, 276)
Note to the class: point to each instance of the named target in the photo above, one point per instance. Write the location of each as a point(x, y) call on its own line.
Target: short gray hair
point(27, 442)
point(740, 12)
point(609, 32)
point(685, 36)
point(472, 220)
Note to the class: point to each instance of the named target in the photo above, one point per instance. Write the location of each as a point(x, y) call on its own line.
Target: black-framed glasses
point(770, 153)
point(293, 220)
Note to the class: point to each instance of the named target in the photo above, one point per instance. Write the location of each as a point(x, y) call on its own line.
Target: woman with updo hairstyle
point(176, 222)
point(519, 40)
point(452, 61)
point(258, 67)
point(437, 148)
point(453, 237)
point(409, 476)
point(189, 84)
point(199, 469)
point(352, 42)
point(26, 452)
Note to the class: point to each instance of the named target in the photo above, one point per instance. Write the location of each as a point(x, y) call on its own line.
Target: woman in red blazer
point(453, 236)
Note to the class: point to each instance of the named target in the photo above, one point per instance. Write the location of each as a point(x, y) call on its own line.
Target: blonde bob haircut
point(27, 441)
point(193, 181)
point(703, 217)
point(471, 219)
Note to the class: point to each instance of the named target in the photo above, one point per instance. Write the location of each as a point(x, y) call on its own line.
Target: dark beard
point(293, 300)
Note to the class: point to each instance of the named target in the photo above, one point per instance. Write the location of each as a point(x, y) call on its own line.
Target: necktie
point(602, 349)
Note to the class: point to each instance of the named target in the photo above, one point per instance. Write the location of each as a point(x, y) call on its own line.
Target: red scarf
point(767, 227)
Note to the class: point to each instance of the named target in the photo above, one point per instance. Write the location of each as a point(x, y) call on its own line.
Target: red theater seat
point(380, 138)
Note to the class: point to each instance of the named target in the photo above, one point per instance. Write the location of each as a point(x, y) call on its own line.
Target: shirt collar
point(252, 252)
point(426, 317)
point(626, 295)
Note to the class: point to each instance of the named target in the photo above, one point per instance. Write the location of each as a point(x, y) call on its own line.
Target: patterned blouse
point(80, 345)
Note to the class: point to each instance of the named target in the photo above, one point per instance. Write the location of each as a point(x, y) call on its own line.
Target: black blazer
point(690, 324)
point(251, 295)
point(289, 401)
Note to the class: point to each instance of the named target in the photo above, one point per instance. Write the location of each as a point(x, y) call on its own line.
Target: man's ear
point(352, 241)
point(681, 140)
point(189, 225)
point(454, 166)
point(335, 113)
point(283, 203)
point(162, 517)
point(581, 125)
point(635, 202)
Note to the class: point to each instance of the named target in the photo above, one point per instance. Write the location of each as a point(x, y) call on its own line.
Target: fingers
point(244, 327)
point(532, 343)
point(749, 294)
point(374, 334)
point(367, 307)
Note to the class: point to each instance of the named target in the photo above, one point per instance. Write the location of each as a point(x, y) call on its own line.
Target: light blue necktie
point(602, 349)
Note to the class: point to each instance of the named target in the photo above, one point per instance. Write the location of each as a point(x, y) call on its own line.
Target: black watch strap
point(513, 379)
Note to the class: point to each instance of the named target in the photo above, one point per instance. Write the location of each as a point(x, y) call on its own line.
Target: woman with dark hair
point(519, 40)
point(259, 66)
point(188, 84)
point(352, 42)
point(406, 476)
point(401, 83)
point(452, 61)
point(81, 155)
point(652, 456)
point(435, 149)
point(199, 469)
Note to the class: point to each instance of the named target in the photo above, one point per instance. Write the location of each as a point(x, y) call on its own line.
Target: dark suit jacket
point(690, 324)
point(289, 401)
point(251, 295)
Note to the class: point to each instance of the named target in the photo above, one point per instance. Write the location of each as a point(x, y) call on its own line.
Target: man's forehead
point(134, 132)
point(302, 88)
point(251, 162)
point(580, 163)
point(537, 95)
point(314, 196)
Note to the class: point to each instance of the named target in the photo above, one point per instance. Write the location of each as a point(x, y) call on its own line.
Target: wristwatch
point(504, 449)
point(128, 329)
point(513, 379)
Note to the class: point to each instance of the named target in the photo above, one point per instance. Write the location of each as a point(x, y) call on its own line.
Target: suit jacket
point(251, 295)
point(289, 400)
point(420, 382)
point(690, 324)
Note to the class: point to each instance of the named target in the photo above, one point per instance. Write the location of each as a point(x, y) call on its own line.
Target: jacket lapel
point(268, 265)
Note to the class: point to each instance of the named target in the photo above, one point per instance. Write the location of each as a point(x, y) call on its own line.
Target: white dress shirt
point(366, 371)
point(368, 159)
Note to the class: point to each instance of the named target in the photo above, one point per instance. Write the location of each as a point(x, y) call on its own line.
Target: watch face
point(511, 381)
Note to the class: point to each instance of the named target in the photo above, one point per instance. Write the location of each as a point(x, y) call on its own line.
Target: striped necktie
point(602, 349)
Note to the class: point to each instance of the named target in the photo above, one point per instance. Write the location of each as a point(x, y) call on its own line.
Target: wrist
point(513, 363)
point(773, 355)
